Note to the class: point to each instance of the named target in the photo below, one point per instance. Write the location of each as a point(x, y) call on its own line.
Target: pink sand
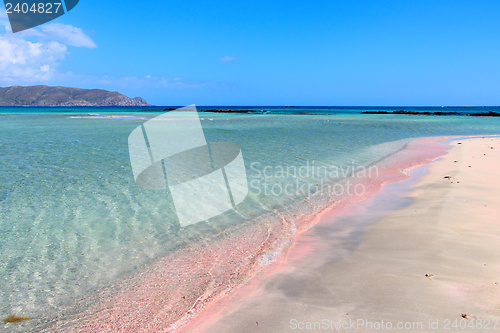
point(188, 290)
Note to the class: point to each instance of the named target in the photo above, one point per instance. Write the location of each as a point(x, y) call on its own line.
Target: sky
point(257, 52)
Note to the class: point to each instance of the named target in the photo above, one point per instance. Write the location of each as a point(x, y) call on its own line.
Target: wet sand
point(432, 265)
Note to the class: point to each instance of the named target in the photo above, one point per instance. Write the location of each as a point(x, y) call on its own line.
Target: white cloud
point(227, 58)
point(68, 35)
point(24, 61)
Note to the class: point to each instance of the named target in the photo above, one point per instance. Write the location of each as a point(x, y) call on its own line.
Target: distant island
point(64, 96)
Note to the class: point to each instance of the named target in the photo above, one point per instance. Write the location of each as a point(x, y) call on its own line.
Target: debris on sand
point(15, 319)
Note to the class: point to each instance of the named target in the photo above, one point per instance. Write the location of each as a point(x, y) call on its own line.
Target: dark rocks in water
point(234, 111)
point(486, 114)
point(169, 109)
point(448, 114)
point(394, 112)
point(376, 112)
point(226, 111)
point(437, 113)
point(404, 112)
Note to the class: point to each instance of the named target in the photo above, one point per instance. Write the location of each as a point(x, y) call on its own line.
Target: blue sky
point(267, 53)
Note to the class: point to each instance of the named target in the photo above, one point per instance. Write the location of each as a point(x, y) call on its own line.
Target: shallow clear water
point(73, 221)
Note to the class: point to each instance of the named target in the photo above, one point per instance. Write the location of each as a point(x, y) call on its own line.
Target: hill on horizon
point(64, 96)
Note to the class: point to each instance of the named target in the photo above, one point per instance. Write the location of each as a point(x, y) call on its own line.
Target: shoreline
point(384, 278)
point(114, 310)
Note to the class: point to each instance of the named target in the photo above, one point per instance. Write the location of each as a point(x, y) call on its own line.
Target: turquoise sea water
point(73, 221)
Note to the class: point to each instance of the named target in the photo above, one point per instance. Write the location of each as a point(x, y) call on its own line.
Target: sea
point(74, 223)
